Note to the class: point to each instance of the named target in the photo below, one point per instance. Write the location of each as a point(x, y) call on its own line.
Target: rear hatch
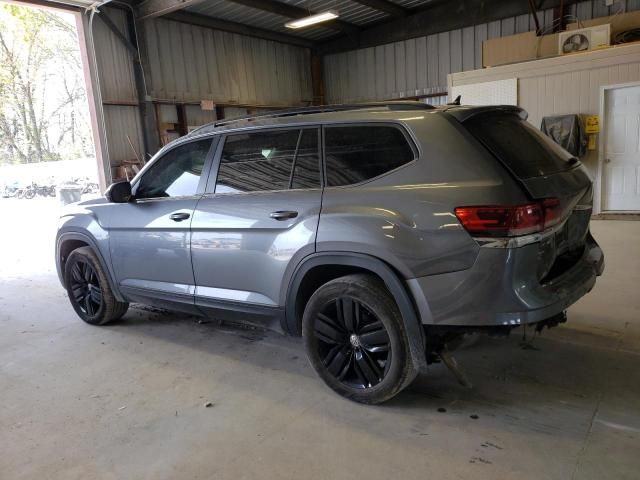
point(547, 173)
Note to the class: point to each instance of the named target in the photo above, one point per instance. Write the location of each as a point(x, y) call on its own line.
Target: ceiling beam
point(436, 17)
point(385, 6)
point(156, 8)
point(293, 12)
point(233, 27)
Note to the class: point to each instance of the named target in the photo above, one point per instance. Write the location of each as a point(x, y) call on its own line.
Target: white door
point(621, 168)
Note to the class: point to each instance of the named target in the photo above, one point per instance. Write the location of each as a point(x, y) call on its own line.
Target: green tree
point(43, 108)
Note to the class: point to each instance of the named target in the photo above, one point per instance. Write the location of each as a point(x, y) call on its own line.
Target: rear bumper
point(501, 289)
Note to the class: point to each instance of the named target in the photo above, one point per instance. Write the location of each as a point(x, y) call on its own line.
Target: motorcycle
point(30, 191)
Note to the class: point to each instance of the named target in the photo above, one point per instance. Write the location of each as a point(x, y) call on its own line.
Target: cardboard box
point(619, 23)
point(518, 48)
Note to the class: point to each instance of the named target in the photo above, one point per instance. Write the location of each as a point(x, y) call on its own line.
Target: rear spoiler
point(464, 113)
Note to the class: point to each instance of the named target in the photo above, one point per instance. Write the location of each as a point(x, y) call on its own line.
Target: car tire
point(355, 339)
point(88, 288)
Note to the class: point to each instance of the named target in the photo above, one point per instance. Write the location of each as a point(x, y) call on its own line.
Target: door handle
point(607, 160)
point(180, 216)
point(283, 214)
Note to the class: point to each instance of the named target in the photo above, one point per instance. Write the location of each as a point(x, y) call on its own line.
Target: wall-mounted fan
point(584, 39)
point(576, 43)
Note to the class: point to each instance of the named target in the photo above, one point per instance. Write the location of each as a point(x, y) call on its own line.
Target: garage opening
point(47, 155)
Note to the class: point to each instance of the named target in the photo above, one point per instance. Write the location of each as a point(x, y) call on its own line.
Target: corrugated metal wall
point(190, 63)
point(420, 66)
point(118, 90)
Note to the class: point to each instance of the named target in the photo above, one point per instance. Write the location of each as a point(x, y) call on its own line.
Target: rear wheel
point(355, 339)
point(89, 290)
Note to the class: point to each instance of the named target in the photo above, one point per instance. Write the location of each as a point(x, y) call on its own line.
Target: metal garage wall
point(420, 66)
point(118, 90)
point(190, 63)
point(569, 84)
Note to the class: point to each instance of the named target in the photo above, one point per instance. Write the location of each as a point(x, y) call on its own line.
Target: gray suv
point(380, 233)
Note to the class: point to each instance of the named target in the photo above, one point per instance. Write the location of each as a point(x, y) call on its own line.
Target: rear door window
point(361, 152)
point(269, 160)
point(522, 148)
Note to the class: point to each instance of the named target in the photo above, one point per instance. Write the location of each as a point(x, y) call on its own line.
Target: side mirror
point(119, 192)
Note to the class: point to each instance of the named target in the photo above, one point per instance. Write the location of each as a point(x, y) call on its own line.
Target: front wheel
point(355, 339)
point(89, 290)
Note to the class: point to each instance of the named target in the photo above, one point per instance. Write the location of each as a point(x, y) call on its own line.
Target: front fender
point(85, 228)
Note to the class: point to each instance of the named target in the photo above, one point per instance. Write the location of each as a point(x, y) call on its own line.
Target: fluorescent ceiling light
point(312, 19)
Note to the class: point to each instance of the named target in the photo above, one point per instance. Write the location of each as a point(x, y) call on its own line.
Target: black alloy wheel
point(353, 343)
point(355, 339)
point(85, 287)
point(89, 290)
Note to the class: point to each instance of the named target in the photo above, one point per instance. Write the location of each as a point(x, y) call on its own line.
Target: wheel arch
point(319, 268)
point(70, 241)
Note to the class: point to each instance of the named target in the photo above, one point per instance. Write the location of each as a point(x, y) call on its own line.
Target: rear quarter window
point(522, 148)
point(355, 153)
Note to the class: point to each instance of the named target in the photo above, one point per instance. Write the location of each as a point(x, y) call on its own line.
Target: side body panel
point(240, 254)
point(405, 217)
point(149, 251)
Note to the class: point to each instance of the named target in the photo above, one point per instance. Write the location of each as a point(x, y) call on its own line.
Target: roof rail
point(397, 105)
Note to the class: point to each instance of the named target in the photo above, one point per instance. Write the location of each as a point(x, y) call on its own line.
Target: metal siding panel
point(380, 71)
point(494, 29)
point(421, 64)
point(508, 26)
point(189, 63)
point(468, 48)
point(122, 122)
point(432, 59)
point(522, 23)
point(584, 11)
point(191, 71)
point(481, 36)
point(600, 9)
point(115, 64)
point(351, 89)
point(370, 73)
point(455, 52)
point(361, 66)
point(201, 67)
point(400, 69)
point(444, 61)
point(390, 67)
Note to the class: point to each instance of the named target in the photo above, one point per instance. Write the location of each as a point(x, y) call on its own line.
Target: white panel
point(499, 92)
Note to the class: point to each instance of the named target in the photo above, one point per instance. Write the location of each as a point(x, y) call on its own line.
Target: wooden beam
point(226, 26)
point(293, 12)
point(385, 6)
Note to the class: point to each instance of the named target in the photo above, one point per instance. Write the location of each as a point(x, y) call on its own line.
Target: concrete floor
point(126, 401)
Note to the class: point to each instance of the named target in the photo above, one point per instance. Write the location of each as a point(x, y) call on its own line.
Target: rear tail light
point(510, 221)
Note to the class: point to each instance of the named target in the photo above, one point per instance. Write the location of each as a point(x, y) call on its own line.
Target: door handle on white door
point(607, 160)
